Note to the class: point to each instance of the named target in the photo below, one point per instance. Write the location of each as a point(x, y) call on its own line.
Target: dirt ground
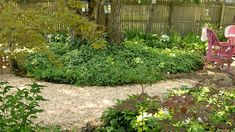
point(74, 107)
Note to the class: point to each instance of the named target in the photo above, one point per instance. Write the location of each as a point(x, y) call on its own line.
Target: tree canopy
point(25, 26)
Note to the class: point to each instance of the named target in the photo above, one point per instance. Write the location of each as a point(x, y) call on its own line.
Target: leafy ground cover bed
point(135, 61)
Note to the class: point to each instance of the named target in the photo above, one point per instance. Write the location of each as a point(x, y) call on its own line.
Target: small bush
point(196, 109)
point(18, 106)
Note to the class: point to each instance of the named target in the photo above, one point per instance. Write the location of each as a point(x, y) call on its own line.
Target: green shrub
point(18, 106)
point(195, 109)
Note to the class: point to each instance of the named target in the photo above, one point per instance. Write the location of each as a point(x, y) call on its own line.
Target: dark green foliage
point(219, 32)
point(172, 1)
point(175, 41)
point(124, 113)
point(66, 40)
point(18, 106)
point(133, 62)
point(195, 109)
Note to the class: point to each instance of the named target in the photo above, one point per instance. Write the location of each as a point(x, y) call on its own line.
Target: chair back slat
point(212, 41)
point(212, 38)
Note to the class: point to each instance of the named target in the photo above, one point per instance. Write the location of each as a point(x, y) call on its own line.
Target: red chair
point(220, 52)
point(230, 35)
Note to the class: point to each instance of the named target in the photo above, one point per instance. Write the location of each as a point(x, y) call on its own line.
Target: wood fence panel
point(135, 16)
point(183, 19)
point(161, 13)
point(171, 15)
point(160, 18)
point(214, 13)
point(229, 13)
point(212, 17)
point(160, 27)
point(167, 17)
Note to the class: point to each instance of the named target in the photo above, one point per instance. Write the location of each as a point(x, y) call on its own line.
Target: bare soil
point(74, 107)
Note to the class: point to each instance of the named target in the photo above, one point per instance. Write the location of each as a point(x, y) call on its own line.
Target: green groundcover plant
point(18, 108)
point(187, 109)
point(189, 42)
point(132, 62)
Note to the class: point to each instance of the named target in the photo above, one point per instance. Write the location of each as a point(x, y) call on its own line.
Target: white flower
point(138, 60)
point(6, 51)
point(187, 121)
point(143, 116)
point(162, 114)
point(199, 119)
point(166, 112)
point(49, 36)
point(154, 35)
point(164, 38)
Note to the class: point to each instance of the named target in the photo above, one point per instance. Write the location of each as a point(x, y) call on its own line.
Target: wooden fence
point(165, 17)
point(171, 15)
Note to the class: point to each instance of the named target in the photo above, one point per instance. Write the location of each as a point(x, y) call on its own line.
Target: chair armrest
point(225, 44)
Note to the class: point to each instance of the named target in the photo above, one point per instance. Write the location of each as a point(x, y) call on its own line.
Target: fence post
point(170, 17)
point(150, 19)
point(222, 15)
point(197, 19)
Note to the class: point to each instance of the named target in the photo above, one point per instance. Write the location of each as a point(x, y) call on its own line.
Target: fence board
point(180, 17)
point(229, 13)
point(160, 13)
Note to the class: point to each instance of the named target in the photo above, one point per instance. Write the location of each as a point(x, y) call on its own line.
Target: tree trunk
point(92, 13)
point(114, 22)
point(99, 12)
